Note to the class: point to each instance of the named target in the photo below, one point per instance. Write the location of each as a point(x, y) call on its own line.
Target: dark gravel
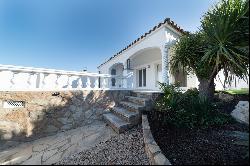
point(199, 147)
point(125, 149)
point(190, 147)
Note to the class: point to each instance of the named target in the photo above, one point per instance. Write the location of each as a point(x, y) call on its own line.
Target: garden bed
point(214, 145)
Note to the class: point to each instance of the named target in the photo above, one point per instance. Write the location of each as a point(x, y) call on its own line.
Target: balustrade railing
point(19, 78)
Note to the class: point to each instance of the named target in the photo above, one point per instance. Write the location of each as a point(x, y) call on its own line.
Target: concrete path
point(49, 150)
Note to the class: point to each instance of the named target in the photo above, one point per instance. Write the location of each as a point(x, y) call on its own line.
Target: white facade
point(152, 53)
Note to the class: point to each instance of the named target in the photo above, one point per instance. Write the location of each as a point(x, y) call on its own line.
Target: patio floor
point(51, 149)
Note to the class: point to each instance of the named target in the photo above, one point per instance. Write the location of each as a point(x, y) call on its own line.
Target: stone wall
point(46, 113)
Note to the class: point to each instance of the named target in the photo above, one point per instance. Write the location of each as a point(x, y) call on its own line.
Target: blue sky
point(73, 34)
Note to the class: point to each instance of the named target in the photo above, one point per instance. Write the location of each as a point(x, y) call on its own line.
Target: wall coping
point(153, 151)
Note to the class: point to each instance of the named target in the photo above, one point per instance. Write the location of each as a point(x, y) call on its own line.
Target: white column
point(165, 61)
point(124, 75)
point(165, 68)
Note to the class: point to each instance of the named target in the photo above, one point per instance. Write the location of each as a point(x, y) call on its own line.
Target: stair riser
point(136, 101)
point(131, 108)
point(118, 130)
point(142, 95)
point(133, 119)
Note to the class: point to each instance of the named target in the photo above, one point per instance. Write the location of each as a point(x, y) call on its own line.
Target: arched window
point(113, 72)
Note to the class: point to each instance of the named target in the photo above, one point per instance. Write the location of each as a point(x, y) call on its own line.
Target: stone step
point(141, 94)
point(137, 100)
point(132, 106)
point(116, 123)
point(130, 116)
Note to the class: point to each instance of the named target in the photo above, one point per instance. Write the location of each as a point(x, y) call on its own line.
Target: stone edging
point(156, 157)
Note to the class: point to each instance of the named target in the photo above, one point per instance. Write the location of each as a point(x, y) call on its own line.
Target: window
point(113, 72)
point(128, 63)
point(142, 77)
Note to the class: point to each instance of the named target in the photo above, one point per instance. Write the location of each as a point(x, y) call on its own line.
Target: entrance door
point(142, 77)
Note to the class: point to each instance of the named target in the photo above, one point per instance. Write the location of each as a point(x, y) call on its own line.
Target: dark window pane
point(113, 81)
point(113, 72)
point(144, 77)
point(140, 78)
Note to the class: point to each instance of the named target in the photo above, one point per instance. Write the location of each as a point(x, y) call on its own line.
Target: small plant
point(188, 109)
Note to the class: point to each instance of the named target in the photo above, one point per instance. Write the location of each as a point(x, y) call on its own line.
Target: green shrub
point(188, 109)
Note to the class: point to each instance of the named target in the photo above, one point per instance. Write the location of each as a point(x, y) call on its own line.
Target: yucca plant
point(226, 29)
point(221, 44)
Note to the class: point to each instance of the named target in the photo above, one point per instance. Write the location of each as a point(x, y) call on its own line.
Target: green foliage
point(188, 109)
point(221, 44)
point(189, 52)
point(226, 29)
point(242, 91)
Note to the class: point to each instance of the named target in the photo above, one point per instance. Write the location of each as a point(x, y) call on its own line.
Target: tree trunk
point(206, 88)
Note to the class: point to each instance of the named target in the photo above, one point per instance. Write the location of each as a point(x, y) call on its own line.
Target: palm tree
point(221, 44)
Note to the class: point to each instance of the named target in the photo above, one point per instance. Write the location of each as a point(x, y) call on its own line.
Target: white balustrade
point(88, 83)
point(57, 80)
point(43, 79)
point(12, 79)
point(96, 84)
point(69, 82)
point(29, 80)
point(104, 83)
point(79, 83)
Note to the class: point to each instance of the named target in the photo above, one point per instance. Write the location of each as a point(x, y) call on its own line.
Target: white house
point(144, 62)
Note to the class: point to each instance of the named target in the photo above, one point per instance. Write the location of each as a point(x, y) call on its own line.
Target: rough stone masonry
point(46, 113)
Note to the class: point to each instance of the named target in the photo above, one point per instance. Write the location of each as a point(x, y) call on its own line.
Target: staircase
point(127, 113)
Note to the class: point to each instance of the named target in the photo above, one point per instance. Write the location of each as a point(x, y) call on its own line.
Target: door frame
point(143, 77)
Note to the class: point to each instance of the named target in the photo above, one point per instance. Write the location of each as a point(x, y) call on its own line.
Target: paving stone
point(153, 148)
point(54, 158)
point(160, 159)
point(54, 148)
point(49, 153)
point(39, 148)
point(34, 160)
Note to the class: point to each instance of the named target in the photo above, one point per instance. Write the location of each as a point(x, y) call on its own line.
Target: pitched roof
point(167, 20)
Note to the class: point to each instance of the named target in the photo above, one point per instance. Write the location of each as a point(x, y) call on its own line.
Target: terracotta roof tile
point(167, 20)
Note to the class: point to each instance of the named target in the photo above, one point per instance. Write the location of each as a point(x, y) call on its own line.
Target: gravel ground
point(126, 148)
point(213, 146)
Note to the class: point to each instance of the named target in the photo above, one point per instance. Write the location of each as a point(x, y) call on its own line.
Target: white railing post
point(104, 83)
point(96, 84)
point(88, 83)
point(79, 83)
point(57, 78)
point(44, 81)
point(12, 79)
point(29, 79)
point(68, 82)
